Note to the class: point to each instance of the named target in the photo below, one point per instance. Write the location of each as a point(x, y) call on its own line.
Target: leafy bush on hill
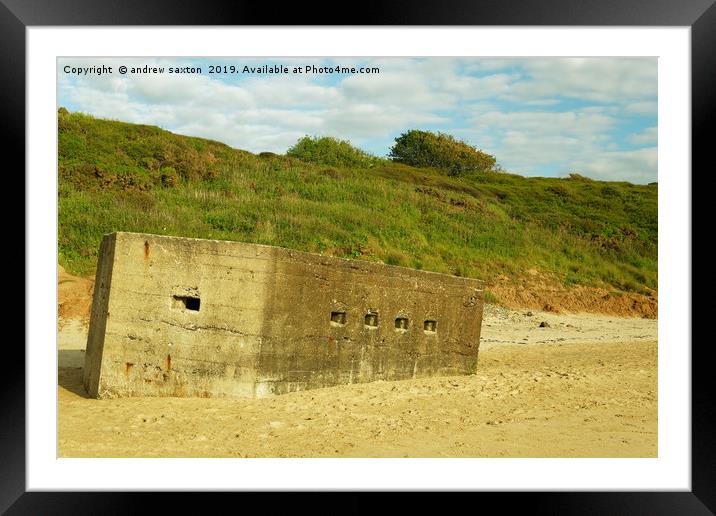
point(331, 151)
point(439, 150)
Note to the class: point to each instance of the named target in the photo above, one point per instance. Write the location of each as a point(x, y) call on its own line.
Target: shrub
point(558, 190)
point(439, 150)
point(574, 176)
point(331, 151)
point(149, 163)
point(169, 177)
point(490, 298)
point(610, 191)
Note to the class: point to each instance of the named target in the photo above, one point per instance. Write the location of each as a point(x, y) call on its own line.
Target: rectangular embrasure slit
point(371, 320)
point(187, 303)
point(338, 318)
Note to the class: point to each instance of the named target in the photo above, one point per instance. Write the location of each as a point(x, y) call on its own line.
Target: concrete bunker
point(188, 317)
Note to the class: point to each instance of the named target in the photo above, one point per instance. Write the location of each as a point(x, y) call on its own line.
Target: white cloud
point(579, 122)
point(646, 137)
point(491, 64)
point(363, 121)
point(596, 79)
point(637, 166)
point(290, 92)
point(410, 90)
point(531, 142)
point(526, 141)
point(646, 107)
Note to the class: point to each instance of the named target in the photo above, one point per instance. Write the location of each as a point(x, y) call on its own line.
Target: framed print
point(426, 246)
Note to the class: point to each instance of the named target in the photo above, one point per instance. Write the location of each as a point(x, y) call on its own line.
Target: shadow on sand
point(69, 374)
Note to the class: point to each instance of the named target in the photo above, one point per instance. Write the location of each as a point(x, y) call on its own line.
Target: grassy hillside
point(115, 176)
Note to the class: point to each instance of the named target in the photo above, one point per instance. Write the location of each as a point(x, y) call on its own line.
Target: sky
point(538, 116)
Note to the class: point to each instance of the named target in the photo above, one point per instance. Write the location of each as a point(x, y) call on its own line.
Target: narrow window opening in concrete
point(187, 302)
point(401, 323)
point(371, 320)
point(338, 318)
point(430, 326)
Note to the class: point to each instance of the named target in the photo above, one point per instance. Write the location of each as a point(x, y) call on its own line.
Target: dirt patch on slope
point(540, 292)
point(74, 296)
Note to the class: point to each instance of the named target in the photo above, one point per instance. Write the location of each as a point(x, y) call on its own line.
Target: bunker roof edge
point(481, 283)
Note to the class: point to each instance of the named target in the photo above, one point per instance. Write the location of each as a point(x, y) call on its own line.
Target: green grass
point(491, 298)
point(115, 176)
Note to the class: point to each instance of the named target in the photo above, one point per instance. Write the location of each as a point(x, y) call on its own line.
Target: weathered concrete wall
point(188, 317)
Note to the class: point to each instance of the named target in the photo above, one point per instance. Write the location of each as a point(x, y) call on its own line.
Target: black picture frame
point(700, 15)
